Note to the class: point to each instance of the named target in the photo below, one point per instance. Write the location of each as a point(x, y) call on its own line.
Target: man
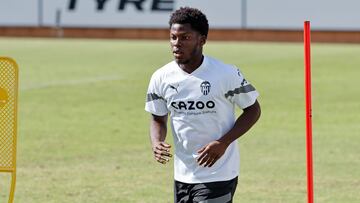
point(199, 93)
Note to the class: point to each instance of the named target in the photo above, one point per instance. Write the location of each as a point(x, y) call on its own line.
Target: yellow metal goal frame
point(9, 75)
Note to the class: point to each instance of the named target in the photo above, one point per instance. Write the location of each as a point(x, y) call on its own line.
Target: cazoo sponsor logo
point(193, 105)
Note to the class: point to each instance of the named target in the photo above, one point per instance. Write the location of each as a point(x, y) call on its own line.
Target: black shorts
point(213, 192)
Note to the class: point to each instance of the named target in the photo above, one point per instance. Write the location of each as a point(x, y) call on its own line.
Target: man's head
point(188, 32)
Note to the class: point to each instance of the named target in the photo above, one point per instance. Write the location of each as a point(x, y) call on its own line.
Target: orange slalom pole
point(309, 157)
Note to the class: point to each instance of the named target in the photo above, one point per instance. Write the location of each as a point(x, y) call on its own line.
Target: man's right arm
point(158, 129)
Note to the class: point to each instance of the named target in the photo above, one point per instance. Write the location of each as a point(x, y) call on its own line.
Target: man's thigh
point(213, 192)
point(182, 192)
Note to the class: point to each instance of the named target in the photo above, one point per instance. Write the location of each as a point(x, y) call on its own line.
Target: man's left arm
point(212, 152)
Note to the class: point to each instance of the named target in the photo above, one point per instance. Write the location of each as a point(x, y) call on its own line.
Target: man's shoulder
point(221, 67)
point(164, 70)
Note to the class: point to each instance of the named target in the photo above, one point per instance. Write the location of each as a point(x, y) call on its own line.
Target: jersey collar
point(196, 71)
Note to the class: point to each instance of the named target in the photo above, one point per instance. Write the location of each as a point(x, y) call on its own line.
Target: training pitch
point(83, 133)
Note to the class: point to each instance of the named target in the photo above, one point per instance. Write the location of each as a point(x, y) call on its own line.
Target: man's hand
point(210, 153)
point(162, 152)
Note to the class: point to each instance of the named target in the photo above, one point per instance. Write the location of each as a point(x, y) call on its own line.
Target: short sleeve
point(240, 91)
point(155, 102)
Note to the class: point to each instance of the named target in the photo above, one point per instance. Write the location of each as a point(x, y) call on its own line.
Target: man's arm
point(210, 153)
point(158, 129)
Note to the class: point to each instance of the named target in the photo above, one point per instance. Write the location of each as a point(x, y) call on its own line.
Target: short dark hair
point(193, 16)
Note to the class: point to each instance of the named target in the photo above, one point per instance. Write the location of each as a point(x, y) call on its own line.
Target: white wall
point(289, 14)
point(18, 12)
point(252, 14)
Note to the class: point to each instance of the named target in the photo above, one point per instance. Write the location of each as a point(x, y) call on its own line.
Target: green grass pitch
point(83, 133)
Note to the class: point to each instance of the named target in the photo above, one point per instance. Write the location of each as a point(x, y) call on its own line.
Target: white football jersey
point(201, 108)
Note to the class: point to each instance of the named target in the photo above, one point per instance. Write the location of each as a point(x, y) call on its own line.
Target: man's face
point(186, 44)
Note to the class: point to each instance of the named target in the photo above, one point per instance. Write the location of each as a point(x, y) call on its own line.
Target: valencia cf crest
point(205, 87)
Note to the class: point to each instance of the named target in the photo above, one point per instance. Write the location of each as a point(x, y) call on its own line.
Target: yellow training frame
point(8, 119)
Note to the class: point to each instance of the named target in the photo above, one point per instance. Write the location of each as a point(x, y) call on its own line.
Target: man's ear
point(203, 39)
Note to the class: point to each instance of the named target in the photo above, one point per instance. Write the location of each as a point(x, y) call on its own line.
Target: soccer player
point(199, 93)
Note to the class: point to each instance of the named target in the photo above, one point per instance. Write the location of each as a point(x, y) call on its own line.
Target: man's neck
point(192, 66)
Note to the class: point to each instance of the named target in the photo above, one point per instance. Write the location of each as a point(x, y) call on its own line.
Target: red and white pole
point(309, 158)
